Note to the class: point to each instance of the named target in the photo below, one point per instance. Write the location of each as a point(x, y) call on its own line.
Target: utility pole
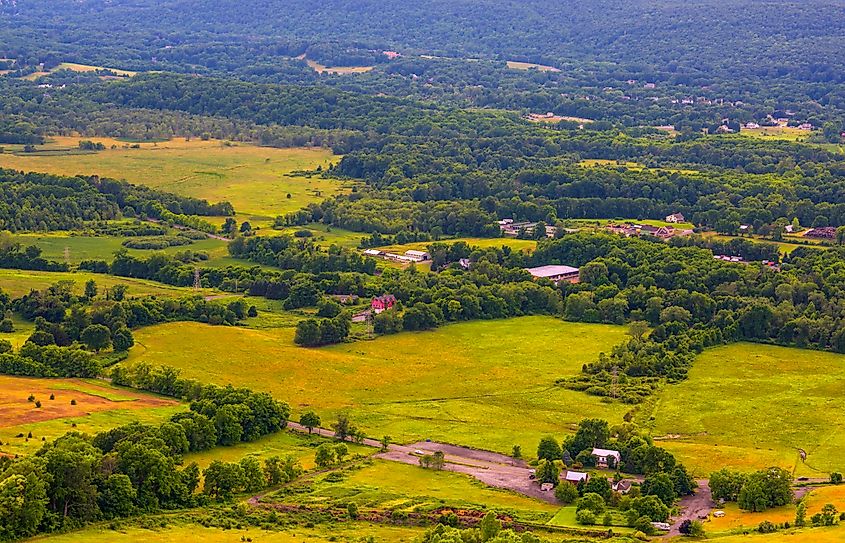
point(197, 282)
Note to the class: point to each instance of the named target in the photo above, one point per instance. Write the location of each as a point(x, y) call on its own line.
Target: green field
point(19, 282)
point(483, 243)
point(486, 384)
point(74, 248)
point(177, 530)
point(282, 444)
point(254, 179)
point(749, 406)
point(390, 485)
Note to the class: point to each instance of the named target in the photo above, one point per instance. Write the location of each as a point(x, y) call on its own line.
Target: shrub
point(836, 478)
point(767, 527)
point(566, 493)
point(38, 404)
point(585, 516)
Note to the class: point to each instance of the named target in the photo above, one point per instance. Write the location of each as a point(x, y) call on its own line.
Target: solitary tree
point(90, 289)
point(310, 420)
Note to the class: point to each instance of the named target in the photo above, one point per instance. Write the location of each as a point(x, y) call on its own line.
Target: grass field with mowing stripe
point(254, 179)
point(750, 406)
point(486, 384)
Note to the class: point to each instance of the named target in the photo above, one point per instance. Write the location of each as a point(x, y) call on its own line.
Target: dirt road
point(694, 507)
point(496, 470)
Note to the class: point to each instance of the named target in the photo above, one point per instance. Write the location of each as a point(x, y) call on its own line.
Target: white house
point(417, 256)
point(675, 218)
point(603, 457)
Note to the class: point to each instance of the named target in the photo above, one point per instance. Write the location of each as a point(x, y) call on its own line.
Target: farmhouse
point(513, 229)
point(606, 458)
point(555, 273)
point(622, 486)
point(373, 252)
point(675, 218)
point(575, 477)
point(628, 230)
point(383, 302)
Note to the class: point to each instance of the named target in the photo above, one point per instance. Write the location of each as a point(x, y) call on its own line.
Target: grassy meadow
point(173, 528)
point(382, 484)
point(749, 406)
point(483, 243)
point(99, 406)
point(256, 180)
point(20, 282)
point(486, 384)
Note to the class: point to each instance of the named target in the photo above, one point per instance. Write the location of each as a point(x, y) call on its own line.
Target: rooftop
point(552, 270)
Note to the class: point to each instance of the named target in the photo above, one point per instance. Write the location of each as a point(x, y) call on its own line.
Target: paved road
point(491, 468)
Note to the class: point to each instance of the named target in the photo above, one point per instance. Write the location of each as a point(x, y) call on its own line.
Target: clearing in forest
point(748, 406)
point(486, 384)
point(256, 180)
point(98, 406)
point(514, 65)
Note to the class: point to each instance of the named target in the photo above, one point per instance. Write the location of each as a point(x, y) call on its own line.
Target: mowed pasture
point(748, 406)
point(256, 180)
point(19, 282)
point(386, 485)
point(175, 528)
point(73, 248)
point(487, 384)
point(98, 406)
point(527, 245)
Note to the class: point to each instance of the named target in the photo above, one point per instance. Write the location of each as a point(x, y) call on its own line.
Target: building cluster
point(409, 256)
point(633, 229)
point(513, 229)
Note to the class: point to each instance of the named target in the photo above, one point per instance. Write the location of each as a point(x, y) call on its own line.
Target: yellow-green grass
point(395, 486)
point(628, 165)
point(487, 384)
point(736, 519)
point(73, 248)
point(89, 68)
point(749, 406)
point(514, 65)
point(650, 222)
point(833, 534)
point(254, 179)
point(178, 530)
point(566, 517)
point(785, 246)
point(19, 282)
point(337, 70)
point(99, 406)
point(323, 234)
point(23, 329)
point(513, 243)
point(281, 444)
point(785, 133)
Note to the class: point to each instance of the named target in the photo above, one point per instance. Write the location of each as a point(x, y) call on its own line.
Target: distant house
point(622, 487)
point(805, 126)
point(383, 302)
point(789, 229)
point(650, 86)
point(575, 477)
point(391, 54)
point(751, 126)
point(373, 252)
point(555, 273)
point(417, 256)
point(464, 263)
point(603, 457)
point(675, 218)
point(545, 487)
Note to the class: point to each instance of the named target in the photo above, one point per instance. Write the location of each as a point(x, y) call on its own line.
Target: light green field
point(834, 534)
point(782, 133)
point(486, 384)
point(651, 222)
point(483, 243)
point(515, 65)
point(252, 178)
point(403, 487)
point(179, 531)
point(19, 282)
point(628, 165)
point(282, 444)
point(749, 406)
point(323, 234)
point(70, 248)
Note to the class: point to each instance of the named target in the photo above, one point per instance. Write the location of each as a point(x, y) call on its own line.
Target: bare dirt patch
point(16, 409)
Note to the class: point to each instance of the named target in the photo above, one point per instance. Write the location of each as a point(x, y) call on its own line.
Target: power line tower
point(615, 381)
point(197, 282)
point(67, 255)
